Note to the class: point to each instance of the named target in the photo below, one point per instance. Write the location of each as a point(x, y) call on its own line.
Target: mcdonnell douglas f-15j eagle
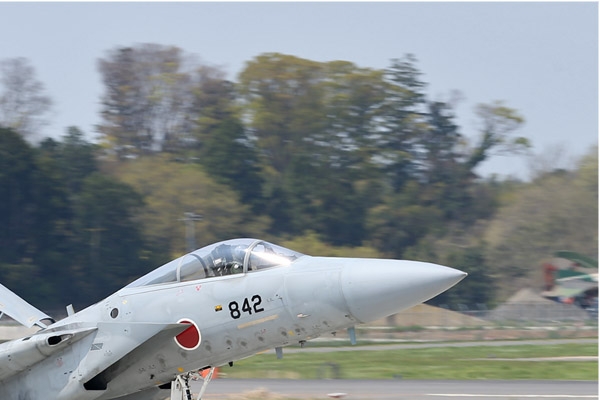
point(208, 308)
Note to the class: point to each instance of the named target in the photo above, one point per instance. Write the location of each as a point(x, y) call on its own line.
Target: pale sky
point(540, 58)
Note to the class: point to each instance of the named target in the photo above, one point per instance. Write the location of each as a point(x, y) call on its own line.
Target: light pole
point(190, 229)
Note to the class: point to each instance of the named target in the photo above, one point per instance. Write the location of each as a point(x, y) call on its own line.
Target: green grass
point(429, 363)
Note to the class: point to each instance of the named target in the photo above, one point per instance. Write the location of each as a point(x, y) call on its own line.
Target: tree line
point(329, 157)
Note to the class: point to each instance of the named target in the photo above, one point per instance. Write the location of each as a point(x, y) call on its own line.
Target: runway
point(401, 389)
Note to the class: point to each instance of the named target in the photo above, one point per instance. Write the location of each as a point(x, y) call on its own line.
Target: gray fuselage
point(130, 343)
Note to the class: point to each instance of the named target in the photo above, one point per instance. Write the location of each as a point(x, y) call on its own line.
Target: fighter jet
point(206, 309)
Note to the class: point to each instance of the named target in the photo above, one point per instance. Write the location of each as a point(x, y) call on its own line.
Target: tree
point(146, 103)
point(283, 104)
point(309, 243)
point(35, 218)
point(478, 289)
point(223, 146)
point(227, 155)
point(314, 125)
point(402, 120)
point(61, 170)
point(461, 246)
point(23, 103)
point(400, 221)
point(438, 159)
point(17, 164)
point(171, 189)
point(53, 229)
point(558, 211)
point(213, 101)
point(498, 123)
point(76, 159)
point(353, 100)
point(106, 221)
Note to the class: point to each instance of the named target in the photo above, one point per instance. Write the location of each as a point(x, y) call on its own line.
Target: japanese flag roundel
point(190, 338)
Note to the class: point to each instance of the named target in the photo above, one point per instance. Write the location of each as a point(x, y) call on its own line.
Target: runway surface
point(427, 345)
point(402, 389)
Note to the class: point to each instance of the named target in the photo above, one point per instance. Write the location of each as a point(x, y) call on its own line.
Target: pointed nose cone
point(374, 289)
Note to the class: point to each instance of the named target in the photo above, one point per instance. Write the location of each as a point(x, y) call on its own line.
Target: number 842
point(248, 306)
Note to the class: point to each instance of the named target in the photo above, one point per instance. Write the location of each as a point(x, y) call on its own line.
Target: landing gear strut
point(180, 388)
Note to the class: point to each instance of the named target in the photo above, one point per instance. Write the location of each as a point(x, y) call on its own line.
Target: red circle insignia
point(190, 338)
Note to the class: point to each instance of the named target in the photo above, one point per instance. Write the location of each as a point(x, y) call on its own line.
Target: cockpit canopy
point(230, 257)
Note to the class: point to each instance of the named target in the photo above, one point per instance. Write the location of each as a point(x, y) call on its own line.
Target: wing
point(20, 310)
point(582, 260)
point(149, 337)
point(19, 355)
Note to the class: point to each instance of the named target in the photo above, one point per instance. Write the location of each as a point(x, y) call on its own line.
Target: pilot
point(239, 254)
point(227, 260)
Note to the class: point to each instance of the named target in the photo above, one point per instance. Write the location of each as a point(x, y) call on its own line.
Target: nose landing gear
point(180, 388)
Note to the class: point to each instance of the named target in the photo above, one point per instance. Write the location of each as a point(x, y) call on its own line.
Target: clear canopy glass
point(236, 256)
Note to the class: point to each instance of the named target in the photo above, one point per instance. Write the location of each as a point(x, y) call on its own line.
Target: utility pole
point(94, 244)
point(190, 229)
